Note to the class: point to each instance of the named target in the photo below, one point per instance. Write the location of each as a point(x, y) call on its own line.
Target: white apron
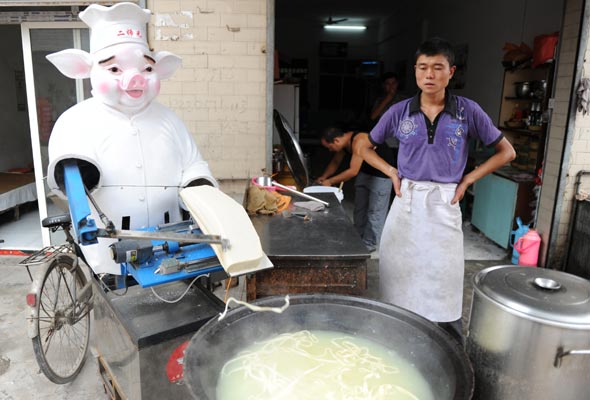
point(421, 261)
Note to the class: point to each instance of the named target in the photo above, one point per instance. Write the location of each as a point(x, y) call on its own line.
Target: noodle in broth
point(320, 365)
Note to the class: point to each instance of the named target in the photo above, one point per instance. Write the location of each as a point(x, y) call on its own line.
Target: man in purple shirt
point(421, 263)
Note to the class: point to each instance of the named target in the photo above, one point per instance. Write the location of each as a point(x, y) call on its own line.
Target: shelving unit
point(529, 144)
point(509, 192)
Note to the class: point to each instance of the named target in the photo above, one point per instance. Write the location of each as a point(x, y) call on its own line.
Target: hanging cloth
point(583, 96)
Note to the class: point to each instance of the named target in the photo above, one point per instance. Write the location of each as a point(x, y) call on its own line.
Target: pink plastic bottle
point(528, 248)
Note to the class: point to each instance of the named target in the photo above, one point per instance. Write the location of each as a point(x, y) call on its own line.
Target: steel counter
point(135, 334)
point(325, 254)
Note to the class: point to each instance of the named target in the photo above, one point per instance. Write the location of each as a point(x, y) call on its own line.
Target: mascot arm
point(84, 227)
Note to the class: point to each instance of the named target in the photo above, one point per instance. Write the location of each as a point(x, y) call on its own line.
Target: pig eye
point(114, 69)
point(149, 68)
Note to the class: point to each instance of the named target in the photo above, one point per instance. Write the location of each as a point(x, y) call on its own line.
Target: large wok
point(439, 358)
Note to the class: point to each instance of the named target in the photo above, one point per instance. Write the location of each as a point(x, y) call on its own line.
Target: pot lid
point(293, 153)
point(541, 294)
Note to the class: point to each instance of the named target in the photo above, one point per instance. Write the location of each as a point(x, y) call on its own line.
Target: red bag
point(544, 48)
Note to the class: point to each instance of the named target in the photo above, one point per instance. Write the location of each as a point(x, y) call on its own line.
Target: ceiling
point(318, 11)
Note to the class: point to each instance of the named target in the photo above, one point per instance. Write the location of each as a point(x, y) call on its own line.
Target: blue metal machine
point(154, 256)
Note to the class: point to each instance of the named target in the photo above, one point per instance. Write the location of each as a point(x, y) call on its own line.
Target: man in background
point(372, 187)
point(390, 96)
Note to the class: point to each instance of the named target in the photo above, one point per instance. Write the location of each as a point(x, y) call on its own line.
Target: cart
point(64, 292)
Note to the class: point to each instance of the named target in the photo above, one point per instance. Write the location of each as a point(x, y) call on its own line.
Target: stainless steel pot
point(522, 89)
point(442, 362)
point(266, 181)
point(529, 334)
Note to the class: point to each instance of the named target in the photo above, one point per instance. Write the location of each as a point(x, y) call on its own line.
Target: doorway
point(41, 95)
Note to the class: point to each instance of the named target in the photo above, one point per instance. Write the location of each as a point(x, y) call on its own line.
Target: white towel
point(310, 205)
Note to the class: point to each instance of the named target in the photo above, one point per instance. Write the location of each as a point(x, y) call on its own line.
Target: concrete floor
point(20, 377)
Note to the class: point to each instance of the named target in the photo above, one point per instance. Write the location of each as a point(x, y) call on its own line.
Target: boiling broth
point(318, 365)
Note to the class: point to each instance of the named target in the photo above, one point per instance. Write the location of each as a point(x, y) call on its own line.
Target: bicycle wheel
point(63, 324)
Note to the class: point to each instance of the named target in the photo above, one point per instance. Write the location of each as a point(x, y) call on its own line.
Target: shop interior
point(331, 77)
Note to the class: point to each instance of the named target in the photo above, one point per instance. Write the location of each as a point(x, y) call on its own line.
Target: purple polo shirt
point(435, 152)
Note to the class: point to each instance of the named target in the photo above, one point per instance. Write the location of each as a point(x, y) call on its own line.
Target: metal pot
point(539, 89)
point(264, 181)
point(439, 358)
point(529, 334)
point(522, 89)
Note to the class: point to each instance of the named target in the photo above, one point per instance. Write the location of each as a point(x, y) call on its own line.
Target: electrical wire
point(182, 295)
point(108, 289)
point(229, 281)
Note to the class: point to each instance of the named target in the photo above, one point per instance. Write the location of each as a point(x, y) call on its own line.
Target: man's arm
point(503, 155)
point(366, 151)
point(380, 107)
point(355, 166)
point(332, 167)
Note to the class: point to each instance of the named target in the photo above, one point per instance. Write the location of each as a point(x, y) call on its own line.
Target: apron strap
point(429, 188)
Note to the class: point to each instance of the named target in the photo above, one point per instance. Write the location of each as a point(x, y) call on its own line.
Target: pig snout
point(132, 81)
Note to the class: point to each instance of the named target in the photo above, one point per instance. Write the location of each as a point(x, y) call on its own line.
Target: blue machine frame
point(145, 273)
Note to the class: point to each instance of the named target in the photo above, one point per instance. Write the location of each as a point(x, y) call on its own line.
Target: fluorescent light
point(345, 27)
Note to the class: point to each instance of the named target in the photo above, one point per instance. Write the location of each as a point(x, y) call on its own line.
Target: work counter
point(324, 254)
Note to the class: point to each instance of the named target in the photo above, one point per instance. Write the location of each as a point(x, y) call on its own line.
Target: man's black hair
point(389, 75)
point(435, 46)
point(331, 133)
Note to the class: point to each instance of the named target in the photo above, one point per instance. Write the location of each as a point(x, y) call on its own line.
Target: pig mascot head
point(124, 73)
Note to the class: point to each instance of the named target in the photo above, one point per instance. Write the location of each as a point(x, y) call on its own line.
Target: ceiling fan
point(331, 21)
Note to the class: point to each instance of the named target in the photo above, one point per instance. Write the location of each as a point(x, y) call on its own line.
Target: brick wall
point(220, 90)
point(557, 191)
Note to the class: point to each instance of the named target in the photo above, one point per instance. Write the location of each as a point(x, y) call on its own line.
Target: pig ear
point(73, 63)
point(166, 64)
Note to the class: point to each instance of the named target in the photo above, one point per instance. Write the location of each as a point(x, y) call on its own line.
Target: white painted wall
point(568, 149)
point(220, 91)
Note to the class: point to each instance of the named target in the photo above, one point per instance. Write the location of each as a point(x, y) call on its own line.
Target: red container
point(544, 48)
point(528, 248)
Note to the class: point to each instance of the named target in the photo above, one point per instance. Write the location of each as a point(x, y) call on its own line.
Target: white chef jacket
point(143, 161)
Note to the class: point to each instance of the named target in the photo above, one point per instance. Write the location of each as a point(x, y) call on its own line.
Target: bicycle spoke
point(56, 290)
point(68, 285)
point(63, 323)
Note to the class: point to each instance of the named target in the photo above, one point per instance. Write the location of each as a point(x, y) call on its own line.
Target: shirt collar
point(450, 103)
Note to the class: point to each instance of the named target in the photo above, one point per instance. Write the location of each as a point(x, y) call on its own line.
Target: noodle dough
point(318, 365)
point(218, 214)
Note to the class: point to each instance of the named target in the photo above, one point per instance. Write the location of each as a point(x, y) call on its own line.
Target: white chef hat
point(121, 23)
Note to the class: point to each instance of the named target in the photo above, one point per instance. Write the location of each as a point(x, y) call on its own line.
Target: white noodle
point(252, 307)
point(342, 358)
